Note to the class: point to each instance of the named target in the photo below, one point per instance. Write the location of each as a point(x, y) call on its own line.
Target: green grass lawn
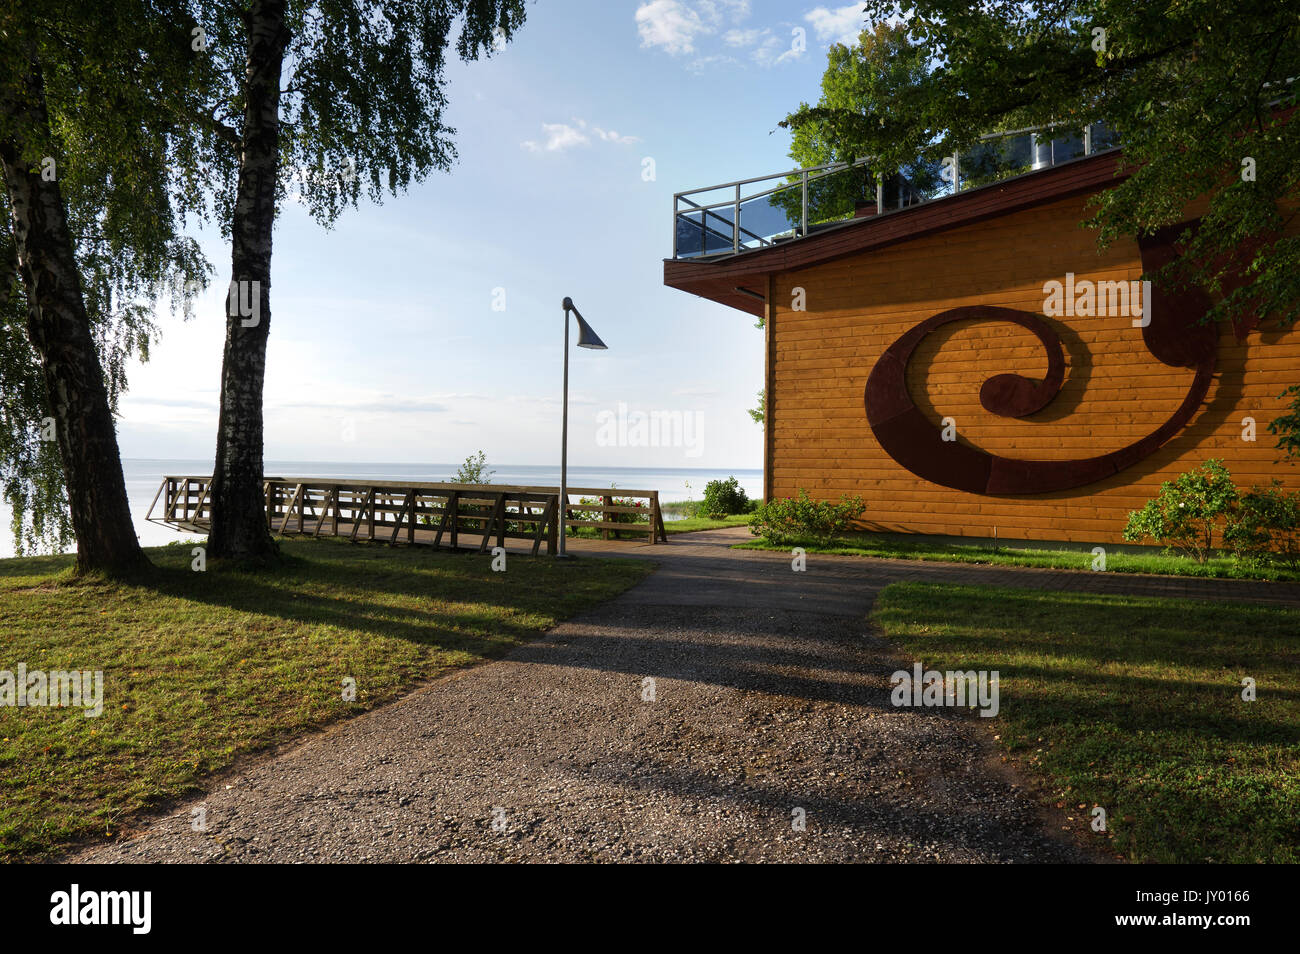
point(888, 546)
point(1134, 705)
point(200, 668)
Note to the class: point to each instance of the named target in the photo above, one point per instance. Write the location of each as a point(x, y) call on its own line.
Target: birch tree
point(88, 235)
point(335, 98)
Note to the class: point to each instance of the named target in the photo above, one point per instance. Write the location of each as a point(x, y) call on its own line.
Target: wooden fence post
point(453, 503)
point(552, 525)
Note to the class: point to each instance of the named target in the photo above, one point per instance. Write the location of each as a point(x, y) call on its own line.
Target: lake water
point(673, 483)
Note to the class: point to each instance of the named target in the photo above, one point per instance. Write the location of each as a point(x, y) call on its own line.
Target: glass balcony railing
point(757, 213)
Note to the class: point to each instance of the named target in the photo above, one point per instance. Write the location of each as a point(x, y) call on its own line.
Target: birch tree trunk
point(239, 524)
point(59, 327)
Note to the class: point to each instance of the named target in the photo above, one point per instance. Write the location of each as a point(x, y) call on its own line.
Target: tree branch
point(210, 122)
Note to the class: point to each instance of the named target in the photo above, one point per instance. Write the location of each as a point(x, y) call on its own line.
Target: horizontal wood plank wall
point(1115, 391)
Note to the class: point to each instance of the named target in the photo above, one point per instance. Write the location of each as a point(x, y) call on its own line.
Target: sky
point(429, 327)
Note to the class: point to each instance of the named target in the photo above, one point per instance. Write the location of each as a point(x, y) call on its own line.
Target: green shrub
point(474, 470)
point(1187, 512)
point(792, 519)
point(722, 498)
point(1259, 526)
point(1265, 527)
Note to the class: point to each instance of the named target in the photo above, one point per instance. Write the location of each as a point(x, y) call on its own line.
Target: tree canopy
point(1200, 95)
point(858, 116)
point(110, 155)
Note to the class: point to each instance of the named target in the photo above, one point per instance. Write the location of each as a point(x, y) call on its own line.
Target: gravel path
point(770, 698)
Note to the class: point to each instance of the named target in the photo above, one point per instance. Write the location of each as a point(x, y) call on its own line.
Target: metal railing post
point(735, 223)
point(676, 203)
point(956, 172)
point(803, 223)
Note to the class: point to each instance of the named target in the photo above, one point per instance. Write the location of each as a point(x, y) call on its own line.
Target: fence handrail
point(826, 166)
point(398, 505)
point(426, 485)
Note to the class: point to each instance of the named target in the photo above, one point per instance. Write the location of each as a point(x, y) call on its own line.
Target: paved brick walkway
point(854, 581)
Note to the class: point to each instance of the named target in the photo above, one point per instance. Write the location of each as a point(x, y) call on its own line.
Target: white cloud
point(767, 48)
point(701, 63)
point(742, 37)
point(559, 137)
point(774, 50)
point(562, 136)
point(670, 24)
point(840, 25)
point(678, 26)
point(717, 12)
point(609, 135)
point(675, 24)
point(386, 404)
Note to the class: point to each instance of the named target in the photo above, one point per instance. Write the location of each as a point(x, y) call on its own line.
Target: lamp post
point(586, 339)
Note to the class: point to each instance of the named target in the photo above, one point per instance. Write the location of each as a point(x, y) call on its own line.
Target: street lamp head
point(586, 337)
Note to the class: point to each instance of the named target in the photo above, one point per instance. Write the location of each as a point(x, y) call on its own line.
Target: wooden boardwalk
point(455, 516)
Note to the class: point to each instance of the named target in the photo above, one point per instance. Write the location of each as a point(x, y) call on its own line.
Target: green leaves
point(112, 153)
point(1265, 527)
point(474, 470)
point(1187, 512)
point(790, 520)
point(1191, 513)
point(722, 498)
point(861, 111)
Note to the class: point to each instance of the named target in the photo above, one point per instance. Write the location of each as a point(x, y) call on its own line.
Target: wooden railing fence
point(427, 514)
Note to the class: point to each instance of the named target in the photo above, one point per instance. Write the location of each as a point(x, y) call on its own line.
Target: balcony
point(751, 214)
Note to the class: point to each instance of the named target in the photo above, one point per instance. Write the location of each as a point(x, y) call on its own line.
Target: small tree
point(1187, 511)
point(1264, 527)
point(723, 498)
point(474, 470)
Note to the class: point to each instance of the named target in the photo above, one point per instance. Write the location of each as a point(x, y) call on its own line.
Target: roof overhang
point(740, 280)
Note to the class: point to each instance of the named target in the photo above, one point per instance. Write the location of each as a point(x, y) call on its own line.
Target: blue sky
point(385, 345)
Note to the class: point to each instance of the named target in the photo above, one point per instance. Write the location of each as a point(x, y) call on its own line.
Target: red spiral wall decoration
point(1175, 335)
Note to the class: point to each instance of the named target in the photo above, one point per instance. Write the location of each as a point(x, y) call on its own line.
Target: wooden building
point(910, 360)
